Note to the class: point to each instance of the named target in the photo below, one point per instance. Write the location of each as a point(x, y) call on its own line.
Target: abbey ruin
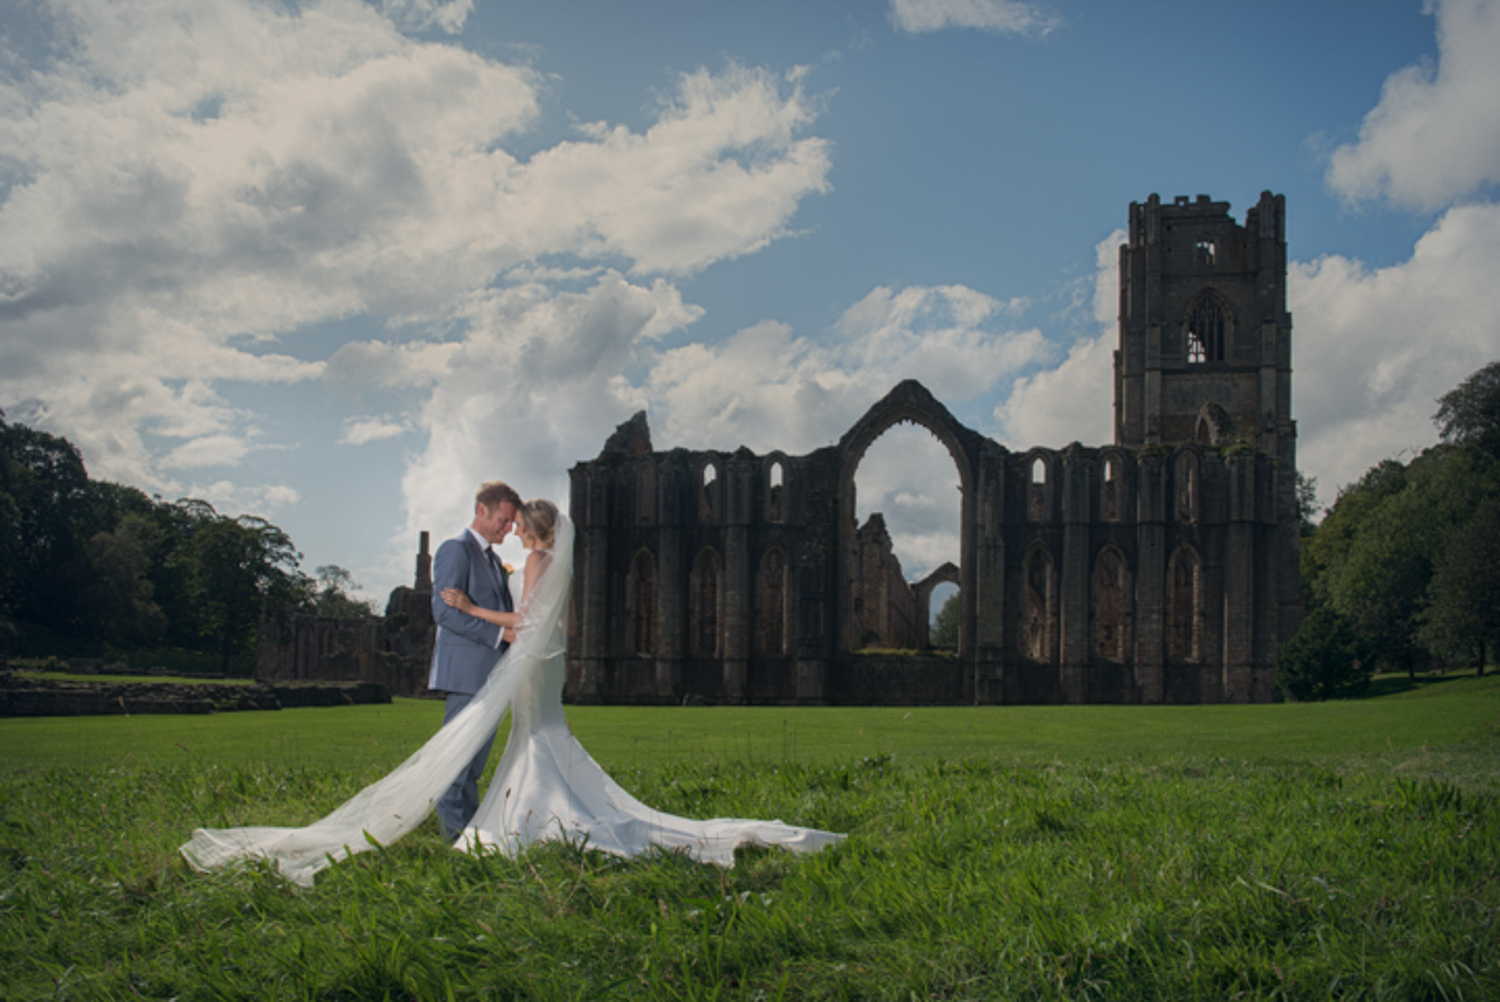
point(1159, 568)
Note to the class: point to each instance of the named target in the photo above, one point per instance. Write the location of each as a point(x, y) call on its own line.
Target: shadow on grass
point(1394, 682)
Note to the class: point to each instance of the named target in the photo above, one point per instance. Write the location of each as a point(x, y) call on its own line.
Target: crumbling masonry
point(1162, 568)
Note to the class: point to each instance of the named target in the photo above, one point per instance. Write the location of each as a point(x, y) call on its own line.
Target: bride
point(545, 787)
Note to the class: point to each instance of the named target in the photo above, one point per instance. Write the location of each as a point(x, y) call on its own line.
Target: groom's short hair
point(496, 492)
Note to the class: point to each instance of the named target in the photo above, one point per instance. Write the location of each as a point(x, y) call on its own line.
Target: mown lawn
point(1294, 851)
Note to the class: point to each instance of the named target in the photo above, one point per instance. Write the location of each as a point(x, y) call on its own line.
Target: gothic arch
point(1111, 587)
point(946, 574)
point(909, 401)
point(1038, 633)
point(705, 605)
point(1208, 328)
point(1114, 488)
point(1187, 486)
point(1041, 484)
point(710, 476)
point(1185, 606)
point(772, 603)
point(640, 599)
point(774, 468)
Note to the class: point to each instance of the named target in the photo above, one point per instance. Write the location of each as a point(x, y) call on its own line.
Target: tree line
point(102, 564)
point(1403, 572)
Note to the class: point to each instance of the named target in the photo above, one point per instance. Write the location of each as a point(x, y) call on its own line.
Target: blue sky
point(336, 262)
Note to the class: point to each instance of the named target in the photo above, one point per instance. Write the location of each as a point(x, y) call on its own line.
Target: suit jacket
point(466, 647)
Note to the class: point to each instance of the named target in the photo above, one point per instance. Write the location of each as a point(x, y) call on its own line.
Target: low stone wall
point(34, 697)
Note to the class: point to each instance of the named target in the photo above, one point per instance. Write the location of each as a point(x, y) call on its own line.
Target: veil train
point(545, 787)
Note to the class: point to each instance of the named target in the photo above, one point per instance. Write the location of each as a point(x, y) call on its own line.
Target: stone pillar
point(1074, 577)
point(987, 607)
point(739, 578)
point(1150, 498)
point(1239, 581)
point(672, 569)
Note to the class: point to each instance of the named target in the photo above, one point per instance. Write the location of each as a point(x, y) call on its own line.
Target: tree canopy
point(102, 562)
point(1405, 566)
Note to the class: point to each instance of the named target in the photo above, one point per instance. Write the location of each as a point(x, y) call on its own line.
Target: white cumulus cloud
point(1374, 349)
point(362, 431)
point(1435, 135)
point(1012, 17)
point(193, 185)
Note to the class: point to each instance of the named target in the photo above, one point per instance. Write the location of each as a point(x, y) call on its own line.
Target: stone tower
point(1205, 351)
point(1205, 338)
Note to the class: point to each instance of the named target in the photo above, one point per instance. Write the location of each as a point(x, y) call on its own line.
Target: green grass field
point(1343, 850)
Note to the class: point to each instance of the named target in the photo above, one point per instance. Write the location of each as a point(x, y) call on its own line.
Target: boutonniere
point(508, 569)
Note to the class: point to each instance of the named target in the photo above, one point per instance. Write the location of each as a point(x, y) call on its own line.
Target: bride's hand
point(457, 598)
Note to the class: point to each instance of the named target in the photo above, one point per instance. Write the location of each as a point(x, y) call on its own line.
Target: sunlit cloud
point(1435, 135)
point(1005, 17)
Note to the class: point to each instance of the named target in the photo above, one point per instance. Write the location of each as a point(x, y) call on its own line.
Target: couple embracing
point(494, 654)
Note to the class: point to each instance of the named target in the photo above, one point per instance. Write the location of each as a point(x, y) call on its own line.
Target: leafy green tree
point(945, 626)
point(1327, 659)
point(237, 566)
point(1469, 415)
point(120, 593)
point(1463, 618)
point(333, 599)
point(44, 507)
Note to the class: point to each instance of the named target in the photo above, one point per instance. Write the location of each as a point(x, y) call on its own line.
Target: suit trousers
point(460, 802)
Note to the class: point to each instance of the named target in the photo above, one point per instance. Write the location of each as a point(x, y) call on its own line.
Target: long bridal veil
point(545, 787)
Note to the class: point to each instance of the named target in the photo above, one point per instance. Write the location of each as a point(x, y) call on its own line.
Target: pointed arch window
point(1185, 607)
point(776, 492)
point(1186, 477)
point(708, 499)
point(703, 604)
point(1206, 328)
point(1111, 606)
point(640, 599)
point(771, 604)
point(1038, 607)
point(1111, 495)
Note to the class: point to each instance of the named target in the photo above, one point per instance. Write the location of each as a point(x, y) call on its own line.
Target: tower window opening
point(1205, 333)
point(1205, 252)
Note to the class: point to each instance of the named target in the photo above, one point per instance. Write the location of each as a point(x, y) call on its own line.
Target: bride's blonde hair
point(539, 518)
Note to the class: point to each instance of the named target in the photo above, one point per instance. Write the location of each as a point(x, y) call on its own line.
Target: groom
point(467, 648)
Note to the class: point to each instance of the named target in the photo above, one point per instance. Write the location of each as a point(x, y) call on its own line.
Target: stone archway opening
point(907, 502)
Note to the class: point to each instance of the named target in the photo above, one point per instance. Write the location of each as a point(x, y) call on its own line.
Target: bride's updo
point(539, 518)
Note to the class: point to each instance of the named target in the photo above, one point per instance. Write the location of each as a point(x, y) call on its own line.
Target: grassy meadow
point(1337, 850)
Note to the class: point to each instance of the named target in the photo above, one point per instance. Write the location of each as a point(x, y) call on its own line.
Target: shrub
point(1327, 659)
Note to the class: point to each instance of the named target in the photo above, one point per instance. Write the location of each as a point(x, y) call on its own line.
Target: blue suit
point(465, 650)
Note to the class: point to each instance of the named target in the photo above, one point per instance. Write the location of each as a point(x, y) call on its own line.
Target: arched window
point(640, 599)
point(1038, 607)
point(1205, 330)
point(775, 492)
point(708, 503)
point(1111, 606)
point(1038, 493)
point(1186, 477)
point(771, 604)
point(1111, 494)
point(703, 605)
point(1185, 606)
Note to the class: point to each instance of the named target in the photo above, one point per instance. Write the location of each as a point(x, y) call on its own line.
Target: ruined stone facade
point(394, 650)
point(1161, 568)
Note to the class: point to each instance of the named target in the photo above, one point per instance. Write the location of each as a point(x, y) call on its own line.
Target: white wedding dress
point(545, 787)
